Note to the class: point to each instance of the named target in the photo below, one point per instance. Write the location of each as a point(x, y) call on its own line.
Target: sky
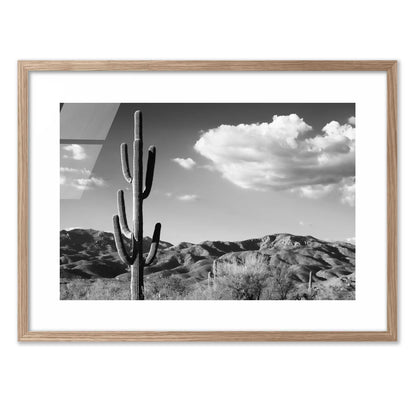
point(228, 171)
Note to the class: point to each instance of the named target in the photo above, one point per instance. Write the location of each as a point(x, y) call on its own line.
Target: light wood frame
point(24, 333)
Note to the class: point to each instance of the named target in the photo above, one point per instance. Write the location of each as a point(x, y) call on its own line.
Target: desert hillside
point(91, 253)
point(277, 266)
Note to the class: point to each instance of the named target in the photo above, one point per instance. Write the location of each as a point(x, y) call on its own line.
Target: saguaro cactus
point(135, 258)
point(212, 275)
point(310, 284)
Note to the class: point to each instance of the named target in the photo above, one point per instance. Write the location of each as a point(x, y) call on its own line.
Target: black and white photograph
point(207, 201)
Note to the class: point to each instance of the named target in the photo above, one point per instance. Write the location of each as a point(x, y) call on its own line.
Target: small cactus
point(310, 284)
point(212, 275)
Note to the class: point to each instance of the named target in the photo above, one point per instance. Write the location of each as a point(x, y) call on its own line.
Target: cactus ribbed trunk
point(137, 268)
point(135, 260)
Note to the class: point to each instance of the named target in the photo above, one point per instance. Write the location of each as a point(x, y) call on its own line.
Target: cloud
point(77, 152)
point(211, 168)
point(183, 198)
point(187, 163)
point(282, 155)
point(73, 170)
point(187, 197)
point(90, 183)
point(351, 120)
point(345, 190)
point(315, 191)
point(80, 179)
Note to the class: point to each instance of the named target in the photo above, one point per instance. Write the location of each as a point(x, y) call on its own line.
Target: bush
point(167, 287)
point(281, 284)
point(245, 280)
point(109, 290)
point(99, 289)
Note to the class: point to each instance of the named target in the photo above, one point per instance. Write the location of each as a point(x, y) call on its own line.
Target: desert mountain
point(87, 254)
point(302, 255)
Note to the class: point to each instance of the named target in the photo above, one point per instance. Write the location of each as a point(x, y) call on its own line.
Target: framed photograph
point(207, 201)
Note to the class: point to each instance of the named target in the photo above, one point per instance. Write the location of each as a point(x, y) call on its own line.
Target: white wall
point(290, 379)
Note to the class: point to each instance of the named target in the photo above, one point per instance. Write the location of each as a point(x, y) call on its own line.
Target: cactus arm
point(155, 244)
point(149, 171)
point(125, 162)
point(122, 214)
point(121, 249)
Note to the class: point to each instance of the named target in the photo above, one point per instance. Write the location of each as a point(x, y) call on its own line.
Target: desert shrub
point(242, 280)
point(165, 287)
point(76, 289)
point(201, 291)
point(100, 289)
point(109, 290)
point(281, 284)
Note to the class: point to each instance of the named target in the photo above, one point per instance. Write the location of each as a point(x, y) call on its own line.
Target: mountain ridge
point(91, 254)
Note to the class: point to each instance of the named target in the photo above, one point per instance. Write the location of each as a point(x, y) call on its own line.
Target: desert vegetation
point(250, 279)
point(274, 267)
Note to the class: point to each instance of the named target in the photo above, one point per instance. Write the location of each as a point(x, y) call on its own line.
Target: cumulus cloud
point(345, 190)
point(88, 183)
point(351, 120)
point(187, 197)
point(80, 179)
point(283, 155)
point(75, 151)
point(187, 163)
